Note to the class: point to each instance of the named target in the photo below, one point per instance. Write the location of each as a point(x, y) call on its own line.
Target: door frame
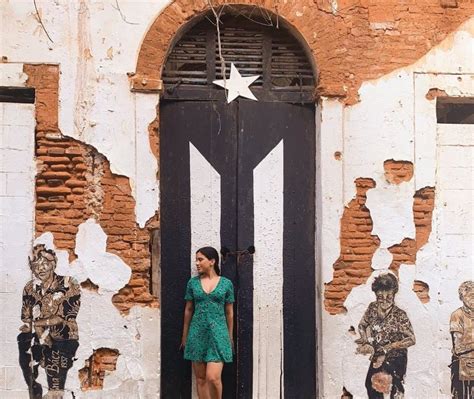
point(315, 252)
point(186, 93)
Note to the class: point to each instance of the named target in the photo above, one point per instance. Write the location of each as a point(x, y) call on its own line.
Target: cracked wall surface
point(351, 41)
point(422, 237)
point(103, 361)
point(96, 154)
point(358, 246)
point(74, 182)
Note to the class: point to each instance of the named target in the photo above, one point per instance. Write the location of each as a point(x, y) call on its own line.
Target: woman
point(208, 323)
point(385, 334)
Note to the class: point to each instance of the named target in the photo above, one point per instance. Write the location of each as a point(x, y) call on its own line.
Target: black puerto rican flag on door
point(234, 176)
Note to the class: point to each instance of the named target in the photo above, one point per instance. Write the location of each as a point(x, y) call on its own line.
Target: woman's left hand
point(183, 343)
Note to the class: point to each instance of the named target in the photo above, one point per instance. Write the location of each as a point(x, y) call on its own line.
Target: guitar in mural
point(49, 336)
point(461, 326)
point(385, 334)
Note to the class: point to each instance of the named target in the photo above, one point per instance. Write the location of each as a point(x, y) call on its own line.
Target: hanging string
point(38, 16)
point(219, 44)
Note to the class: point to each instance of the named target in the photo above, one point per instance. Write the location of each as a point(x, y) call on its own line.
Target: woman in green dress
point(208, 323)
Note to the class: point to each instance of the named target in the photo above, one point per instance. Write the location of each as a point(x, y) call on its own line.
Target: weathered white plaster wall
point(17, 170)
point(95, 45)
point(101, 325)
point(95, 48)
point(394, 120)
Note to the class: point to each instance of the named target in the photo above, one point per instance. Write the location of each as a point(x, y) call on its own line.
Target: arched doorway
point(236, 175)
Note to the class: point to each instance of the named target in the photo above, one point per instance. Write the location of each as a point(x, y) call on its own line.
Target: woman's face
point(203, 264)
point(385, 298)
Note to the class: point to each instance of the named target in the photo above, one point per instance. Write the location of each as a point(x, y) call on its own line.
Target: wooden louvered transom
point(271, 52)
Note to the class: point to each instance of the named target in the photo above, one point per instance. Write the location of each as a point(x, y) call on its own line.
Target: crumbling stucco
point(103, 361)
point(135, 335)
point(401, 128)
point(358, 245)
point(393, 120)
point(361, 237)
point(74, 182)
point(398, 171)
point(350, 44)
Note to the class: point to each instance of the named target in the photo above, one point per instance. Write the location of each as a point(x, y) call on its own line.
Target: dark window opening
point(23, 95)
point(456, 110)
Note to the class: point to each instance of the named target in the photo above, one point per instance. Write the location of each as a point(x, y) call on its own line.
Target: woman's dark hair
point(211, 253)
point(385, 282)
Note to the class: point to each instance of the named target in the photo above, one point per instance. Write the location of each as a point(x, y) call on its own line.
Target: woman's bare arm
point(229, 315)
point(188, 314)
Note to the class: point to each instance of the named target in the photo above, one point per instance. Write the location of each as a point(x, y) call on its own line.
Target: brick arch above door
point(352, 42)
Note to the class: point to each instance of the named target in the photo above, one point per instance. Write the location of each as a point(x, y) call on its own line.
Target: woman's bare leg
point(201, 382)
point(213, 378)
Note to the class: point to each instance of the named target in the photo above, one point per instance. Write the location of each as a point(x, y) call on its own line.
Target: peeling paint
point(102, 362)
point(104, 269)
point(416, 225)
point(410, 117)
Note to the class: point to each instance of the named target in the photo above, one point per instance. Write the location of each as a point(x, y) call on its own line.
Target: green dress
point(208, 338)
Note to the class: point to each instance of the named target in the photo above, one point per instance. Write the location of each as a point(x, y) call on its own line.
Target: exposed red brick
point(154, 136)
point(45, 79)
point(423, 206)
point(358, 245)
point(358, 41)
point(433, 93)
point(75, 183)
point(126, 239)
point(449, 3)
point(403, 253)
point(397, 172)
point(93, 373)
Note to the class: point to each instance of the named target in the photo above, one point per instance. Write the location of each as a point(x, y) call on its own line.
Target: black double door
point(234, 138)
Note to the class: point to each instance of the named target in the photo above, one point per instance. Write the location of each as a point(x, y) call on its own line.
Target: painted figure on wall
point(461, 326)
point(385, 334)
point(49, 335)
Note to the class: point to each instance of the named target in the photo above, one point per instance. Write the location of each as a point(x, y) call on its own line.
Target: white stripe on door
point(205, 204)
point(205, 210)
point(268, 276)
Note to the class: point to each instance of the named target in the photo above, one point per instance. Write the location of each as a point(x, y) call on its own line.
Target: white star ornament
point(237, 85)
